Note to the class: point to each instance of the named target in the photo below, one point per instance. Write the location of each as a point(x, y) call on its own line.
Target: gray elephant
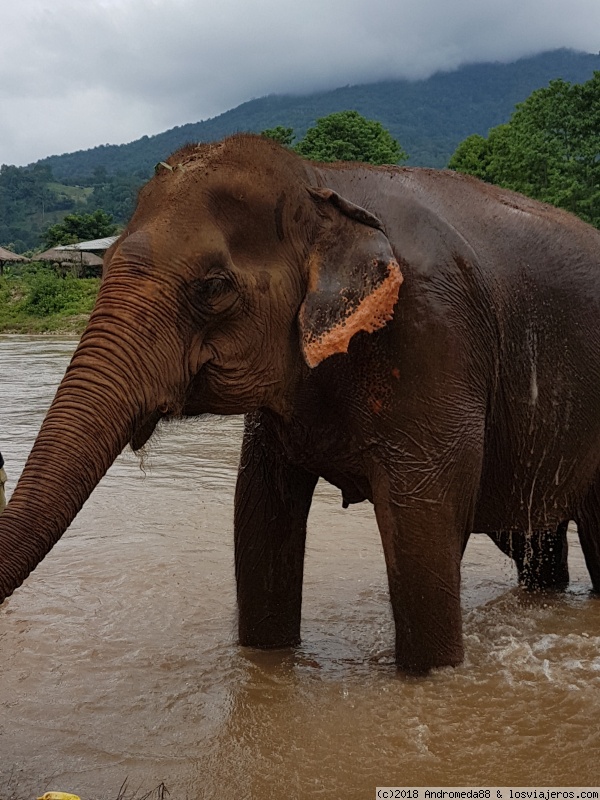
point(416, 337)
point(2, 485)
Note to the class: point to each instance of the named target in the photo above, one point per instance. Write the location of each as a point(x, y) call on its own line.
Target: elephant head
point(239, 273)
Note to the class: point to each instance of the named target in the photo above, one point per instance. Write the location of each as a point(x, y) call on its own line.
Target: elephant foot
point(263, 636)
point(420, 664)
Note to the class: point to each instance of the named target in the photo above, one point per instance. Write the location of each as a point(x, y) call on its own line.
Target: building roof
point(94, 244)
point(58, 255)
point(7, 255)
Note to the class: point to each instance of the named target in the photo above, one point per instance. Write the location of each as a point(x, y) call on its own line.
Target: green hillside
point(428, 117)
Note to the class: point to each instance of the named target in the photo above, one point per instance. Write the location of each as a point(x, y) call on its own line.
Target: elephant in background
point(416, 337)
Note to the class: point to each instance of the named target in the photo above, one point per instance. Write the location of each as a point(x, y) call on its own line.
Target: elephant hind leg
point(540, 557)
point(588, 528)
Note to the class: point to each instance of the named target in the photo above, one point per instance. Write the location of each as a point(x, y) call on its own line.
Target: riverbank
point(40, 301)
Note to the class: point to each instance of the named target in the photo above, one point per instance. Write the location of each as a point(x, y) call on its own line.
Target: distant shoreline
point(40, 302)
point(73, 327)
point(68, 333)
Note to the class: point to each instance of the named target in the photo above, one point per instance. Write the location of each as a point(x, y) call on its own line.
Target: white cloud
point(75, 74)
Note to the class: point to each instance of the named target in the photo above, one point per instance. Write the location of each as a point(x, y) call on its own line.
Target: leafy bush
point(41, 301)
point(549, 150)
point(348, 136)
point(48, 294)
point(79, 228)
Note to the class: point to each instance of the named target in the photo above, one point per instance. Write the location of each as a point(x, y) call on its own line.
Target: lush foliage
point(80, 228)
point(31, 201)
point(284, 136)
point(39, 300)
point(343, 136)
point(348, 136)
point(429, 117)
point(549, 150)
point(115, 194)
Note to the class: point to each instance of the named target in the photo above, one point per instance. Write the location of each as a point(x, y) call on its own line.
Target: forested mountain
point(428, 117)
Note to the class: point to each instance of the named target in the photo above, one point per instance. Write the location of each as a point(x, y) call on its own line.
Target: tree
point(117, 196)
point(549, 150)
point(348, 136)
point(284, 136)
point(472, 156)
point(80, 228)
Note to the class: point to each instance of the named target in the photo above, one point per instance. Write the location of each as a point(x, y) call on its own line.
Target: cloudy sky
point(78, 73)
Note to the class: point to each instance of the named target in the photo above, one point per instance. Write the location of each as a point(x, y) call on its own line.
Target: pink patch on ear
point(372, 313)
point(376, 405)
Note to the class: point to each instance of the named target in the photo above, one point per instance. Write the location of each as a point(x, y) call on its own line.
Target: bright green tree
point(284, 136)
point(348, 136)
point(472, 156)
point(549, 150)
point(80, 228)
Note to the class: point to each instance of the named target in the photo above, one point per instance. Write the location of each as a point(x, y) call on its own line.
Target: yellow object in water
point(59, 796)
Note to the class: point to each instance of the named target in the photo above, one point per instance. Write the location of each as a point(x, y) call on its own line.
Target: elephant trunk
point(115, 382)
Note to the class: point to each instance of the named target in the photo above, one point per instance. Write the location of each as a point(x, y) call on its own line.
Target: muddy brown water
point(118, 657)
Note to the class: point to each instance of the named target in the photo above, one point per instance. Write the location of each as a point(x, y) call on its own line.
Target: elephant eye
point(213, 287)
point(213, 295)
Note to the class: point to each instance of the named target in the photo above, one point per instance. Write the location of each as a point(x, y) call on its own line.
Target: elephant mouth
point(144, 430)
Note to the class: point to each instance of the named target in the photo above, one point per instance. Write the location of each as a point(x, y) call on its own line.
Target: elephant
point(2, 484)
point(418, 338)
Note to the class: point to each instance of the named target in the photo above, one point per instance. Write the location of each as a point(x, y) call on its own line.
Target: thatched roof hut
point(7, 257)
point(82, 258)
point(75, 260)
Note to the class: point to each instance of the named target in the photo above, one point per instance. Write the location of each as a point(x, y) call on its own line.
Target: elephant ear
point(354, 279)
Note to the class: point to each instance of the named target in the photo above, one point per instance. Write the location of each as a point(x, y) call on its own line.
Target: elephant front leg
point(272, 502)
point(423, 544)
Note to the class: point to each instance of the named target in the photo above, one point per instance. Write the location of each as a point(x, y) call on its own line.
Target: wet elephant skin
point(417, 338)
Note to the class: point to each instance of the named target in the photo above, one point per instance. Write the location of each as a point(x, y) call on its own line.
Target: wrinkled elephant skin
point(415, 337)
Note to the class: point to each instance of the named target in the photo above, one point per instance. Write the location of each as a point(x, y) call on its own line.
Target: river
point(119, 657)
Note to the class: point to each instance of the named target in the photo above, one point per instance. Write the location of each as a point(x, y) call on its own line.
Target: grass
point(77, 193)
point(40, 301)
